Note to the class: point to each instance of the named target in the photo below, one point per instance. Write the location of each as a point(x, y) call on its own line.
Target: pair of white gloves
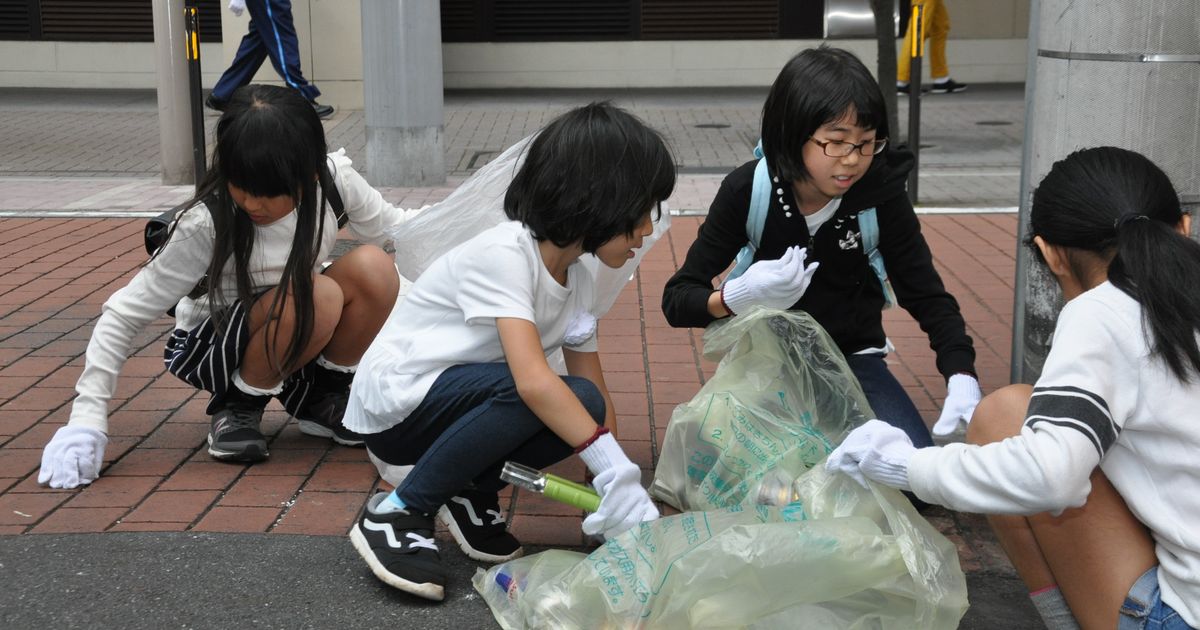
point(73, 457)
point(623, 501)
point(880, 452)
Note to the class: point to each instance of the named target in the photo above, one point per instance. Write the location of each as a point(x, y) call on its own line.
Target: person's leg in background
point(249, 58)
point(937, 26)
point(273, 20)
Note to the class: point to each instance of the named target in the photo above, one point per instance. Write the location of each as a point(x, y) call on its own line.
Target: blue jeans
point(470, 422)
point(887, 397)
point(1144, 609)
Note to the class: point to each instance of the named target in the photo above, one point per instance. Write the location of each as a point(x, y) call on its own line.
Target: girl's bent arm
point(587, 365)
point(368, 213)
point(156, 288)
point(539, 387)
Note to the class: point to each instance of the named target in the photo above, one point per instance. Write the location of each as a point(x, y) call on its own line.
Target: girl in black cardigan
point(825, 139)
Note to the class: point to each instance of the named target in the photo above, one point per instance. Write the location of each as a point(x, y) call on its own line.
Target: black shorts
point(205, 359)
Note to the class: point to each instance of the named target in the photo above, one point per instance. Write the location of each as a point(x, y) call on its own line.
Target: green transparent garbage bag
point(781, 399)
point(840, 556)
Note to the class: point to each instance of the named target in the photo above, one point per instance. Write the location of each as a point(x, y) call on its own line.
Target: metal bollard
point(916, 51)
point(195, 90)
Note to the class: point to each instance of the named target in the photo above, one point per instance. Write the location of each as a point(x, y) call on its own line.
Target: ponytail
point(1119, 205)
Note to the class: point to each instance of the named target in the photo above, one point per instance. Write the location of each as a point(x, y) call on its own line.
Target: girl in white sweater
point(1091, 475)
point(256, 317)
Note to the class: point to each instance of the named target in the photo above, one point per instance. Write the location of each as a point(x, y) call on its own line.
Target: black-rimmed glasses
point(837, 148)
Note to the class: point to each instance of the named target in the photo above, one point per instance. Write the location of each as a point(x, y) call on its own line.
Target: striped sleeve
point(1077, 409)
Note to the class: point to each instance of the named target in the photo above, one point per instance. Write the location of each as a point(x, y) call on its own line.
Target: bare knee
point(328, 301)
point(1000, 414)
point(367, 272)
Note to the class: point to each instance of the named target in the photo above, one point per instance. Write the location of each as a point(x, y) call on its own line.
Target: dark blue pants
point(272, 35)
point(887, 397)
point(469, 424)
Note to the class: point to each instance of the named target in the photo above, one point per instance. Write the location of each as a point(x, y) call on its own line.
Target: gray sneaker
point(235, 435)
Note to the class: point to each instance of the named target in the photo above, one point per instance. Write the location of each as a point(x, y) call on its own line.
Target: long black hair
point(591, 175)
point(815, 87)
point(1119, 205)
point(269, 142)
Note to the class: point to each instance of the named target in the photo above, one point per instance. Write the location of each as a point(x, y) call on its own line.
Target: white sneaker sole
point(426, 590)
point(316, 429)
point(444, 516)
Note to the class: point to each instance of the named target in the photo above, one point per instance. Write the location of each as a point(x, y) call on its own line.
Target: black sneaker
point(235, 435)
point(399, 548)
point(323, 111)
point(323, 408)
point(905, 89)
point(477, 524)
point(949, 86)
point(215, 103)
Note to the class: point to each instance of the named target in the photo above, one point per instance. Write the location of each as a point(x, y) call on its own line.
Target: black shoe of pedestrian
point(903, 89)
point(215, 103)
point(477, 524)
point(236, 434)
point(949, 86)
point(323, 111)
point(399, 548)
point(321, 413)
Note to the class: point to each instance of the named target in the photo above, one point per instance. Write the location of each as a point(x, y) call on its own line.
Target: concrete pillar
point(402, 90)
point(174, 115)
point(1110, 72)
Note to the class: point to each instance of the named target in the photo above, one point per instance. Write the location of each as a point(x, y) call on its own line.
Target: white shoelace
point(420, 541)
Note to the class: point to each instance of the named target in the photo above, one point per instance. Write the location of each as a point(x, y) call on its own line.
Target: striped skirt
point(205, 359)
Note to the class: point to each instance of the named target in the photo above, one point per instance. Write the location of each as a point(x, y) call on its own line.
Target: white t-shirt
point(1102, 399)
point(449, 318)
point(184, 261)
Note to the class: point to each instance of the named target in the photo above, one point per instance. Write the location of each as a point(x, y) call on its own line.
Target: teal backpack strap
point(756, 217)
point(868, 226)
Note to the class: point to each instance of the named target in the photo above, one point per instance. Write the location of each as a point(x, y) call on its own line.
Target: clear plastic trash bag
point(840, 556)
point(781, 399)
point(478, 204)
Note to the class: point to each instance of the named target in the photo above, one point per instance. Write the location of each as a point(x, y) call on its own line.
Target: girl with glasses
point(825, 141)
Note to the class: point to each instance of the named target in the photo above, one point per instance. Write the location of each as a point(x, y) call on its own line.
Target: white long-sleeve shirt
point(1102, 399)
point(166, 280)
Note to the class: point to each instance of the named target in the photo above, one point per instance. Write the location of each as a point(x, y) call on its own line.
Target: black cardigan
point(845, 296)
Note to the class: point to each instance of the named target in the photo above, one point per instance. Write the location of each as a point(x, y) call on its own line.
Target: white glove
point(962, 394)
point(73, 457)
point(771, 283)
point(877, 451)
point(623, 501)
point(237, 6)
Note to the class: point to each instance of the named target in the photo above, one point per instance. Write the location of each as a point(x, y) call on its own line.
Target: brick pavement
point(54, 274)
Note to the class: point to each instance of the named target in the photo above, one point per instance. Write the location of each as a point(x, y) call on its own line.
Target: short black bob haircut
point(591, 175)
point(816, 87)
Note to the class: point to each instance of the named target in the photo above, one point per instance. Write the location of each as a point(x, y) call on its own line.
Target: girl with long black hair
point(256, 317)
point(1091, 475)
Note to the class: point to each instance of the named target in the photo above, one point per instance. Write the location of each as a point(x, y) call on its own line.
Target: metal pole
point(1021, 278)
point(195, 90)
point(175, 144)
point(915, 52)
point(402, 89)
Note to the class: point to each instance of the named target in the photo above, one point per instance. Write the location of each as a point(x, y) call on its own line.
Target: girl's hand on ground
point(73, 457)
point(962, 395)
point(877, 451)
point(770, 283)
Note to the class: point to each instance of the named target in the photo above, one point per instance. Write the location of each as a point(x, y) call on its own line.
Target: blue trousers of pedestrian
point(272, 35)
point(470, 422)
point(887, 397)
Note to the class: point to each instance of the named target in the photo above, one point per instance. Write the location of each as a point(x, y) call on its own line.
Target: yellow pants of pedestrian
point(936, 25)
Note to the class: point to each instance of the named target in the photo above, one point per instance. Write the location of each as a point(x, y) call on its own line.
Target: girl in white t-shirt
point(457, 382)
point(1093, 474)
point(255, 315)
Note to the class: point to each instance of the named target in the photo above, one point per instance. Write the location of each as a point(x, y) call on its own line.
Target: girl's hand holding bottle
point(623, 501)
point(771, 283)
point(73, 457)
